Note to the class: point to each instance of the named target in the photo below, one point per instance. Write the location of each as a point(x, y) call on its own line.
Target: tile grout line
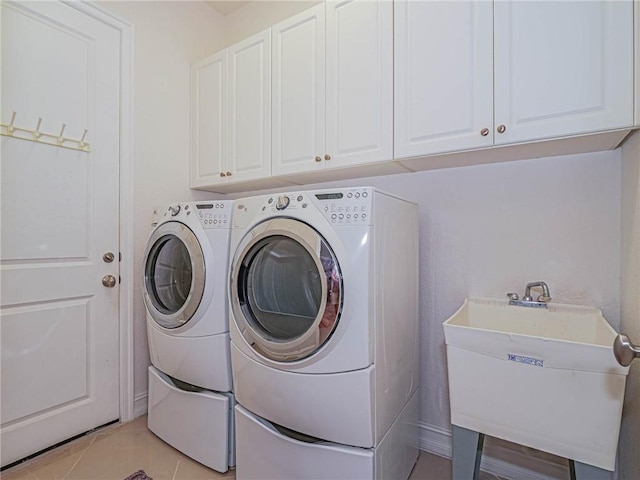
point(66, 475)
point(175, 471)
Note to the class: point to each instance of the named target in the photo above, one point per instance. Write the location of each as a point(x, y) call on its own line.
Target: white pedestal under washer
point(323, 311)
point(185, 294)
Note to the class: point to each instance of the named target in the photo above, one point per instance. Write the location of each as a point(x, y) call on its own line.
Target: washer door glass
point(174, 275)
point(287, 290)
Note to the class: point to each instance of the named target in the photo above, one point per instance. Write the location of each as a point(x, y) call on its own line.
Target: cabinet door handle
point(501, 128)
point(222, 174)
point(484, 132)
point(228, 174)
point(327, 156)
point(318, 159)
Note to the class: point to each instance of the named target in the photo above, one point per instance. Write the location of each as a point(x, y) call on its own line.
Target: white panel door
point(209, 121)
point(59, 324)
point(443, 76)
point(359, 82)
point(299, 93)
point(249, 120)
point(562, 68)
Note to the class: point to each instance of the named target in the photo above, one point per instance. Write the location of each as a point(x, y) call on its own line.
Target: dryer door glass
point(283, 288)
point(174, 275)
point(287, 292)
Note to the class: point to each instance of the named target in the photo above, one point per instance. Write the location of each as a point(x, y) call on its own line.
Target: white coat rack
point(48, 139)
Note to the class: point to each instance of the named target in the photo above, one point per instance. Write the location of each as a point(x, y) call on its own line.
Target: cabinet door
point(562, 68)
point(359, 81)
point(443, 76)
point(299, 92)
point(208, 120)
point(249, 119)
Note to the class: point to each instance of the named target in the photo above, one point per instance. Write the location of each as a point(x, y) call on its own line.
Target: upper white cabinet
point(298, 119)
point(544, 69)
point(231, 114)
point(208, 120)
point(562, 68)
point(333, 87)
point(443, 76)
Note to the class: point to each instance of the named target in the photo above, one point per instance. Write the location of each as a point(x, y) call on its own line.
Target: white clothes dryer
point(185, 293)
point(324, 311)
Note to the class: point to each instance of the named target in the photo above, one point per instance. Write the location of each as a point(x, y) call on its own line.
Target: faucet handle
point(544, 298)
point(512, 296)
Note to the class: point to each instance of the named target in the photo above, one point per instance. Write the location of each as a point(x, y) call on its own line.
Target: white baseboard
point(140, 405)
point(497, 458)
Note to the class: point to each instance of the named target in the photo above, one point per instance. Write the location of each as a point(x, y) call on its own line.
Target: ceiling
point(226, 6)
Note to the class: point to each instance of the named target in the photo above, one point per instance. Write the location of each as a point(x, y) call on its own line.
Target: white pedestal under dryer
point(185, 293)
point(324, 334)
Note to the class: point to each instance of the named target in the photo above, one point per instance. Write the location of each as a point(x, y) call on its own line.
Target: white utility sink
point(542, 377)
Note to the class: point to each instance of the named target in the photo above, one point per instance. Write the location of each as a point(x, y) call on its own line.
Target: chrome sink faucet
point(545, 297)
point(527, 299)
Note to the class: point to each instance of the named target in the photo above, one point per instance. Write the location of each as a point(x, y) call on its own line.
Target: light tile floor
point(117, 451)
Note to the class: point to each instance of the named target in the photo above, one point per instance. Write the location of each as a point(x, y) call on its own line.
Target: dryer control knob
point(282, 202)
point(174, 210)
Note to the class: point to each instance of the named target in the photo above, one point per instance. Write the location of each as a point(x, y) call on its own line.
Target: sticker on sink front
point(536, 362)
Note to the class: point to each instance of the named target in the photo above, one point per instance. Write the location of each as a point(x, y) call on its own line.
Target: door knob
point(108, 257)
point(484, 132)
point(501, 128)
point(625, 351)
point(109, 281)
point(318, 159)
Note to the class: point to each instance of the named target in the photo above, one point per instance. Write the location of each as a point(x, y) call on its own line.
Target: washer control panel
point(216, 214)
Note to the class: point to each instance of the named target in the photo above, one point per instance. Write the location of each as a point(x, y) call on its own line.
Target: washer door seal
point(174, 275)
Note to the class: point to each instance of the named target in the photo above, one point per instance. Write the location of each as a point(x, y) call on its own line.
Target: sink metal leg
point(467, 453)
point(582, 471)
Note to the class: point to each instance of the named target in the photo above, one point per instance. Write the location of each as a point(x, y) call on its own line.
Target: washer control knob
point(282, 202)
point(174, 210)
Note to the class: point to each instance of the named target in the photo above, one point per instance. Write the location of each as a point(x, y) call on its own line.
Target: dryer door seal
point(174, 275)
point(286, 289)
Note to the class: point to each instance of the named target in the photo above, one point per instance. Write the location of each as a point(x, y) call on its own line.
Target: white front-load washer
point(323, 317)
point(185, 294)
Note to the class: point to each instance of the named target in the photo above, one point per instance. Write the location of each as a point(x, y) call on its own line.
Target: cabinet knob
point(228, 174)
point(327, 156)
point(222, 174)
point(318, 159)
point(484, 132)
point(501, 128)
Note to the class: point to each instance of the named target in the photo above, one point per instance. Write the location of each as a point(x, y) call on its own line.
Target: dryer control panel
point(345, 206)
